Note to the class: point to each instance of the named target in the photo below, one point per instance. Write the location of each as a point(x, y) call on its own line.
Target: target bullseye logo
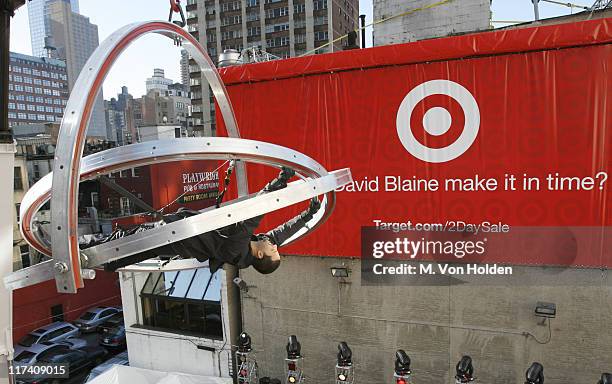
point(437, 121)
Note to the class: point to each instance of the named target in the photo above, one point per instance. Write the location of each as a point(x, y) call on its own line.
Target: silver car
point(89, 321)
point(53, 333)
point(30, 355)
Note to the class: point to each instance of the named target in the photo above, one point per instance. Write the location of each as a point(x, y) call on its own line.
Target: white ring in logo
point(437, 121)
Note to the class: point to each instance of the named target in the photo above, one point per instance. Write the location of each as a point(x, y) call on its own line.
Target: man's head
point(267, 258)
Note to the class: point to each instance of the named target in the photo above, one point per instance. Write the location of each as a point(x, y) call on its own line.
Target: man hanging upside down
point(234, 244)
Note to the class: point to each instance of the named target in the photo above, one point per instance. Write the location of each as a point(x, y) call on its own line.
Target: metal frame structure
point(69, 262)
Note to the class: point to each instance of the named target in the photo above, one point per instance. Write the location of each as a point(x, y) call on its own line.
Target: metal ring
point(71, 137)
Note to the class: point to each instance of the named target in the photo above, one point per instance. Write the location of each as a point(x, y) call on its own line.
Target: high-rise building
point(184, 68)
point(39, 24)
point(158, 82)
point(172, 107)
point(75, 39)
point(283, 28)
point(38, 89)
point(443, 20)
point(120, 118)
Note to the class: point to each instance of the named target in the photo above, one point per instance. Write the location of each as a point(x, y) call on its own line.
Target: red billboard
point(503, 129)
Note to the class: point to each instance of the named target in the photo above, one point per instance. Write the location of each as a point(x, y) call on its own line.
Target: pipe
point(362, 18)
point(536, 10)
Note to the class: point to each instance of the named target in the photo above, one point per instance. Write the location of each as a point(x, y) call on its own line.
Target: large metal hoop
point(73, 129)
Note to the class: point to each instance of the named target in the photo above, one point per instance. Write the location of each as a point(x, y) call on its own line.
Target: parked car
point(78, 361)
point(55, 332)
point(112, 322)
point(120, 359)
point(74, 343)
point(113, 338)
point(89, 321)
point(29, 356)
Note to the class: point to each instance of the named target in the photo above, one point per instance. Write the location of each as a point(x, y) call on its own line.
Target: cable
point(536, 339)
point(412, 11)
point(91, 305)
point(569, 5)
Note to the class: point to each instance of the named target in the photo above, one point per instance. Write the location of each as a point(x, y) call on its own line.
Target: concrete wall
point(435, 325)
point(443, 20)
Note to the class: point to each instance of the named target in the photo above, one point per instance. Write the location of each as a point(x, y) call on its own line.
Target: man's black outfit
point(230, 244)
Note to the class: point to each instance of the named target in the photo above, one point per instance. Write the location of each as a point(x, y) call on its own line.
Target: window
point(21, 106)
point(299, 8)
point(16, 69)
point(276, 12)
point(277, 27)
point(18, 79)
point(27, 80)
point(12, 115)
point(21, 116)
point(47, 91)
point(321, 35)
point(39, 108)
point(253, 16)
point(20, 97)
point(18, 186)
point(24, 252)
point(38, 90)
point(31, 107)
point(188, 301)
point(95, 199)
point(41, 117)
point(18, 87)
point(320, 4)
point(11, 105)
point(37, 82)
point(253, 31)
point(57, 313)
point(252, 3)
point(27, 71)
point(126, 206)
point(55, 92)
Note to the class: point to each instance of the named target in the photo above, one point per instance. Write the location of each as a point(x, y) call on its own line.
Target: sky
point(136, 64)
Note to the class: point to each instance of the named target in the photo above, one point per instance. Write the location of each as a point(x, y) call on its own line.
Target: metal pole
point(362, 18)
point(536, 9)
point(7, 161)
point(7, 8)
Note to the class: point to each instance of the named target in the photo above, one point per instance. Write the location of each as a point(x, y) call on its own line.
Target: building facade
point(283, 28)
point(172, 106)
point(121, 118)
point(443, 20)
point(75, 38)
point(158, 82)
point(39, 24)
point(184, 67)
point(38, 89)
